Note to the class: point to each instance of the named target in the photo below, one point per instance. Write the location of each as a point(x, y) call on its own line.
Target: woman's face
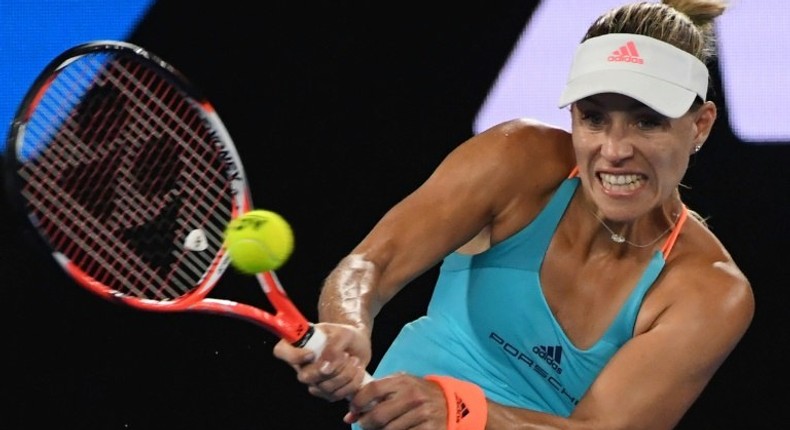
point(631, 158)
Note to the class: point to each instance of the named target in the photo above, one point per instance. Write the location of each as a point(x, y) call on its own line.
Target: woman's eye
point(648, 123)
point(592, 118)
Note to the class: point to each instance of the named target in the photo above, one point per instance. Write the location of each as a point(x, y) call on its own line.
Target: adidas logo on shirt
point(627, 53)
point(552, 355)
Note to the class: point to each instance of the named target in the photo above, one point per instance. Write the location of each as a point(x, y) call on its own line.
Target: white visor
point(663, 77)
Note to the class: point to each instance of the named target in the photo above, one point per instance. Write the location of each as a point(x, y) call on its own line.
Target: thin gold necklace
point(619, 238)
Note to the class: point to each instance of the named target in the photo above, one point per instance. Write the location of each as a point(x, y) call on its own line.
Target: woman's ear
point(704, 118)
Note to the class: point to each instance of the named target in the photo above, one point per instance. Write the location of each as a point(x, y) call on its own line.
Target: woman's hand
point(339, 371)
point(399, 401)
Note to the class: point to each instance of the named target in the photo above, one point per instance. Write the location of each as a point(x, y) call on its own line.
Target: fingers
point(292, 355)
point(333, 376)
point(333, 380)
point(338, 371)
point(398, 402)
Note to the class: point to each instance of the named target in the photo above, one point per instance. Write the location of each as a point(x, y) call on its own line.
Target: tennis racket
point(130, 178)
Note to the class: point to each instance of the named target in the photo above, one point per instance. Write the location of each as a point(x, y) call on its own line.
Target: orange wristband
point(466, 403)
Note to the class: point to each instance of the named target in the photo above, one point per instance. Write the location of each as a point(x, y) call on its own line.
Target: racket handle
point(316, 343)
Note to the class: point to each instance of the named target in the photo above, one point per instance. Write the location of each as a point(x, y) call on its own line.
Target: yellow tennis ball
point(258, 241)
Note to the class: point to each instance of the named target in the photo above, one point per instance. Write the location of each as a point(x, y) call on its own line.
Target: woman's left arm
point(689, 325)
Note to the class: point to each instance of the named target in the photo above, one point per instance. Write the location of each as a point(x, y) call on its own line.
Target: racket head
point(127, 174)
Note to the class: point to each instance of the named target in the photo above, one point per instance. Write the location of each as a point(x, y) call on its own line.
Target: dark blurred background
point(338, 111)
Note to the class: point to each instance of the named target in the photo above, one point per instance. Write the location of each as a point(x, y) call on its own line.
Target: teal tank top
point(488, 322)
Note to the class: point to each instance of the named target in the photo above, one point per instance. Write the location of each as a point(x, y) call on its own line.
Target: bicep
point(654, 378)
point(475, 188)
point(451, 207)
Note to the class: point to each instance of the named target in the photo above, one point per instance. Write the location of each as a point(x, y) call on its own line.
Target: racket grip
point(316, 343)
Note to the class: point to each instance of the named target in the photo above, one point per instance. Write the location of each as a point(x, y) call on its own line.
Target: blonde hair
point(686, 24)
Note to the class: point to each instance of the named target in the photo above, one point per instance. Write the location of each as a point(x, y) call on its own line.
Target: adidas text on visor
point(663, 77)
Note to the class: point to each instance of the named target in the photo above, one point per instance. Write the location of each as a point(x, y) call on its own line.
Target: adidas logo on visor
point(627, 53)
point(667, 78)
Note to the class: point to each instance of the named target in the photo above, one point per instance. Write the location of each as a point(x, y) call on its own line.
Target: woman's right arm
point(475, 189)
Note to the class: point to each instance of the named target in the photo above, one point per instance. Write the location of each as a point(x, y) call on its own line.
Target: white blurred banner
point(753, 51)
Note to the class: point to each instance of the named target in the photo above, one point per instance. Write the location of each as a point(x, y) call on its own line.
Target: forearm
point(347, 296)
point(507, 418)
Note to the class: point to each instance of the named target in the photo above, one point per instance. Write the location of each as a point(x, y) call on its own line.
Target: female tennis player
point(576, 290)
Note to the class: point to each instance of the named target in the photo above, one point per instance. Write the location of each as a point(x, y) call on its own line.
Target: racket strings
point(64, 183)
point(173, 114)
point(132, 195)
point(77, 191)
point(180, 118)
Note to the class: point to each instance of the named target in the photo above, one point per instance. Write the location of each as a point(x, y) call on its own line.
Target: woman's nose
point(618, 144)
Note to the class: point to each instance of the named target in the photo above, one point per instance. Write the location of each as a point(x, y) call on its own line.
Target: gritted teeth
point(621, 182)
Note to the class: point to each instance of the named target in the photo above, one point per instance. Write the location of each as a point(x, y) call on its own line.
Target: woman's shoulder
point(527, 130)
point(530, 146)
point(705, 276)
point(521, 162)
point(701, 250)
